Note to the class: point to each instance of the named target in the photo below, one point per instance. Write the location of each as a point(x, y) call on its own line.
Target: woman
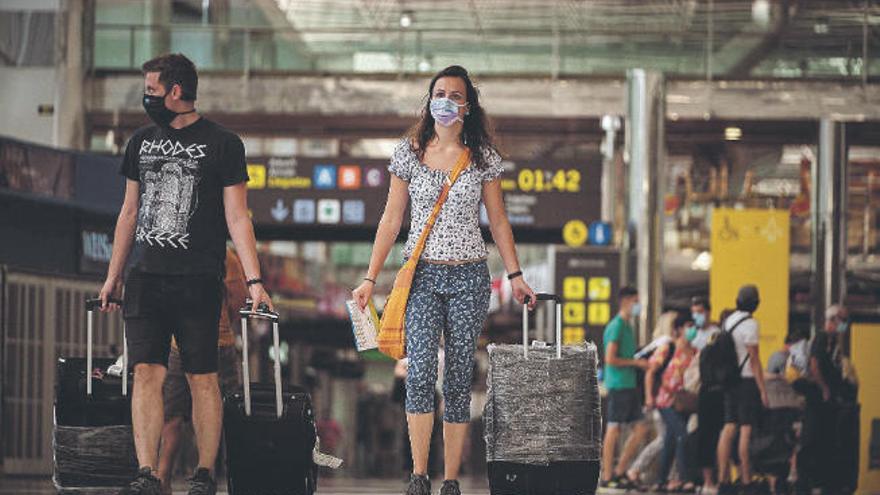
point(635, 476)
point(450, 291)
point(675, 423)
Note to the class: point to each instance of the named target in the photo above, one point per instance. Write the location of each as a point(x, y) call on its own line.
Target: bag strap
point(463, 160)
point(732, 329)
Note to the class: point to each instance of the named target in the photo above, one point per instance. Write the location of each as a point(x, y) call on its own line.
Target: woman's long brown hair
point(475, 133)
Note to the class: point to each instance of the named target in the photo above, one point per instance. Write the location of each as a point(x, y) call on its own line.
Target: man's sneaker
point(450, 487)
point(143, 484)
point(419, 485)
point(202, 483)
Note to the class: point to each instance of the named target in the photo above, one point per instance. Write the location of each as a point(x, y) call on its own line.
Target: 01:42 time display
point(540, 180)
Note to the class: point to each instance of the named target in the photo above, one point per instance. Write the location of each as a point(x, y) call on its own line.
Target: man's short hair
point(627, 291)
point(701, 301)
point(175, 68)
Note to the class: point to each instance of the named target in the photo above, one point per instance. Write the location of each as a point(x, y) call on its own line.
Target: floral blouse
point(456, 235)
point(673, 377)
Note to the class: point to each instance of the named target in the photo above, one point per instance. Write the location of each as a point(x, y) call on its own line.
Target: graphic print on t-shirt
point(169, 173)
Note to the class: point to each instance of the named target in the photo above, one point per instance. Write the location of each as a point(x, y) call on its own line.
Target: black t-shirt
point(826, 350)
point(181, 225)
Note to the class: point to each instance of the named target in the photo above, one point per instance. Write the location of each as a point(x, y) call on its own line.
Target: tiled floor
point(328, 486)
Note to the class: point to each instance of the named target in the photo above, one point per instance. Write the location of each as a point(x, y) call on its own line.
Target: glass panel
point(113, 48)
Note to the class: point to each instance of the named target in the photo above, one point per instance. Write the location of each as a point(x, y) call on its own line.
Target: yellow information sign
point(600, 288)
point(574, 288)
point(574, 313)
point(751, 246)
point(573, 335)
point(574, 233)
point(257, 175)
point(599, 313)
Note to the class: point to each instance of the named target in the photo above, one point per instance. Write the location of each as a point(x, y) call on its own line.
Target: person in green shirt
point(624, 402)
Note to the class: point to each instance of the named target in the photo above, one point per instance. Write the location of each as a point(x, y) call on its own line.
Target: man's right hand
point(112, 290)
point(362, 293)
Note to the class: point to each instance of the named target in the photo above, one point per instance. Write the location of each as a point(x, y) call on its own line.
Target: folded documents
point(364, 325)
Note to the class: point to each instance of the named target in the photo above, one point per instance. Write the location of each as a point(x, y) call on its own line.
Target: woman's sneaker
point(143, 484)
point(419, 485)
point(202, 483)
point(450, 487)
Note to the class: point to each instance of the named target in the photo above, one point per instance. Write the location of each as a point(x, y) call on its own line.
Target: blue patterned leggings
point(454, 300)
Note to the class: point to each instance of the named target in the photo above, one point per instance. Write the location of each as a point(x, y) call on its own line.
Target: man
point(826, 354)
point(742, 402)
point(624, 403)
point(822, 452)
point(701, 314)
point(186, 185)
point(710, 403)
point(175, 392)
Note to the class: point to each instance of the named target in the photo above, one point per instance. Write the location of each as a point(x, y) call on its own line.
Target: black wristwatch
point(515, 274)
point(254, 281)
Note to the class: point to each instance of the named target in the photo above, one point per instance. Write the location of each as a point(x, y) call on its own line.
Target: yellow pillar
point(865, 343)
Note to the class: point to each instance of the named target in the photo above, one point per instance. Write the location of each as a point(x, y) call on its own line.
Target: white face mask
point(636, 310)
point(445, 111)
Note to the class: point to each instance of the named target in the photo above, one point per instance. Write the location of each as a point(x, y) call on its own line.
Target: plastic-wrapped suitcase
point(543, 424)
point(270, 430)
point(93, 446)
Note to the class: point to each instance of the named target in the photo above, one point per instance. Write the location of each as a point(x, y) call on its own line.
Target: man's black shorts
point(624, 406)
point(156, 307)
point(742, 403)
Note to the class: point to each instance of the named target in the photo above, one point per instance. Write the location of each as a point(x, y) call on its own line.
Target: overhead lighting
point(424, 65)
point(733, 134)
point(406, 19)
point(821, 26)
point(761, 12)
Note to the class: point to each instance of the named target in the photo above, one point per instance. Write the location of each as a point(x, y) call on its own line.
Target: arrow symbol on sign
point(280, 211)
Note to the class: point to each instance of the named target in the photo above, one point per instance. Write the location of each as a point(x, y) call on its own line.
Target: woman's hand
point(362, 294)
point(521, 289)
point(259, 296)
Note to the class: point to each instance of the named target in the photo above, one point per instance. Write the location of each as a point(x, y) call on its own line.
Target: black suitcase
point(270, 431)
point(92, 440)
point(557, 478)
point(579, 477)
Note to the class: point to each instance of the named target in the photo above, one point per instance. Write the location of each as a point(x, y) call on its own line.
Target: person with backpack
point(710, 401)
point(733, 364)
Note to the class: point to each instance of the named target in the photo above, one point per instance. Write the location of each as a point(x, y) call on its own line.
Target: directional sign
point(280, 211)
point(600, 233)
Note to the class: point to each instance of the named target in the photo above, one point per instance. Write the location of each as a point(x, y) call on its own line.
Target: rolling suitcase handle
point(525, 322)
point(91, 306)
point(262, 313)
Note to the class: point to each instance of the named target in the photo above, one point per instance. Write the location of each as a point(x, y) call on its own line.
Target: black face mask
point(158, 112)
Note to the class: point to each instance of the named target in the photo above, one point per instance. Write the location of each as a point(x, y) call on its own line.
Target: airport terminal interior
point(681, 147)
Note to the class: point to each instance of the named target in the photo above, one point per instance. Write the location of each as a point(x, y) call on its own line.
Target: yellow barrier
point(865, 344)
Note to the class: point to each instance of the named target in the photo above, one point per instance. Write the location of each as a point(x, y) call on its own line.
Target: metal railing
point(532, 51)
